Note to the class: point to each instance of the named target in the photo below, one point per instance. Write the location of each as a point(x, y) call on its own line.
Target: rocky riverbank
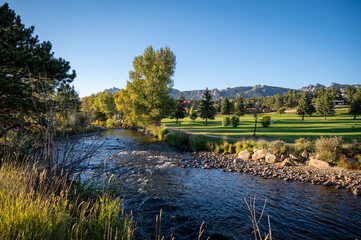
point(289, 170)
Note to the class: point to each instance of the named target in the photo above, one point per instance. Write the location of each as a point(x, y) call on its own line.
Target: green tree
point(149, 86)
point(179, 109)
point(255, 110)
point(206, 108)
point(324, 105)
point(349, 95)
point(235, 121)
point(278, 101)
point(281, 110)
point(355, 106)
point(305, 106)
point(292, 99)
point(226, 107)
point(28, 70)
point(239, 107)
point(104, 102)
point(193, 115)
point(335, 93)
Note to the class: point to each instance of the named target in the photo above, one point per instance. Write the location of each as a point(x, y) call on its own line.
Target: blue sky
point(218, 44)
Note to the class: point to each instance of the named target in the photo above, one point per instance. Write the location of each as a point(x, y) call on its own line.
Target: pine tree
point(278, 101)
point(304, 106)
point(292, 99)
point(193, 115)
point(355, 106)
point(349, 94)
point(324, 105)
point(226, 107)
point(206, 108)
point(239, 108)
point(179, 111)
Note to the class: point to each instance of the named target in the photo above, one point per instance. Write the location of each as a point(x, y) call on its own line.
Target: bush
point(239, 146)
point(354, 148)
point(249, 145)
point(218, 148)
point(302, 144)
point(114, 122)
point(266, 121)
point(210, 146)
point(277, 147)
point(178, 139)
point(329, 149)
point(282, 110)
point(232, 148)
point(163, 134)
point(262, 144)
point(197, 143)
point(226, 147)
point(226, 121)
point(235, 121)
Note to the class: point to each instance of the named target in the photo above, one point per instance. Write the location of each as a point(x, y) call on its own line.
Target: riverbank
point(335, 177)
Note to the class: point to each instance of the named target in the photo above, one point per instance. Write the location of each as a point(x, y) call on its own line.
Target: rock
point(245, 154)
point(357, 192)
point(295, 157)
point(350, 161)
point(304, 154)
point(270, 158)
point(259, 154)
point(318, 163)
point(289, 162)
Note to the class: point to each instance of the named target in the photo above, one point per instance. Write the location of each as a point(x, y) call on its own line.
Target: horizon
point(217, 45)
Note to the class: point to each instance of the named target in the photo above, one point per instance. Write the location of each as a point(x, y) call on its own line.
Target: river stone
point(357, 192)
point(350, 161)
point(288, 162)
point(259, 154)
point(295, 157)
point(270, 158)
point(245, 154)
point(318, 163)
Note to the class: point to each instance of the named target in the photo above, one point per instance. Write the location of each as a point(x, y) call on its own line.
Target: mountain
point(112, 90)
point(255, 91)
point(312, 88)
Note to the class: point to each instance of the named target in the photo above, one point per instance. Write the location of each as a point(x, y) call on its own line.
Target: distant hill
point(255, 91)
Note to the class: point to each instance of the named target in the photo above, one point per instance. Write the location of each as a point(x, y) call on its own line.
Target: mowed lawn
point(287, 127)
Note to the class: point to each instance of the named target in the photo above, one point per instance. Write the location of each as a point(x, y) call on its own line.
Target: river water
point(145, 174)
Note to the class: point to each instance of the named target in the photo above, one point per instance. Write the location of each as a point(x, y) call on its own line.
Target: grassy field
point(287, 127)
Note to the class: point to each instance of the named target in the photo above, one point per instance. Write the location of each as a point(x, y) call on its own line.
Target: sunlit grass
point(287, 127)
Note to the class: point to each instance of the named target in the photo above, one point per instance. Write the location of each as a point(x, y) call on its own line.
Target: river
point(145, 174)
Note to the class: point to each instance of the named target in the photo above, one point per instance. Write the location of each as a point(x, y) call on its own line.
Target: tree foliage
point(355, 106)
point(305, 106)
point(179, 109)
point(324, 105)
point(206, 108)
point(239, 107)
point(193, 115)
point(225, 107)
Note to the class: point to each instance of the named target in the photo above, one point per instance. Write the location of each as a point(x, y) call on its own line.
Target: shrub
point(163, 134)
point(218, 148)
point(226, 121)
point(262, 144)
point(281, 110)
point(302, 144)
point(329, 149)
point(235, 121)
point(114, 122)
point(277, 147)
point(266, 121)
point(178, 139)
point(249, 145)
point(239, 146)
point(226, 147)
point(197, 143)
point(210, 146)
point(232, 148)
point(354, 148)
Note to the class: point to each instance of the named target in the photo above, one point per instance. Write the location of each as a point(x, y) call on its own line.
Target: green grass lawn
point(287, 127)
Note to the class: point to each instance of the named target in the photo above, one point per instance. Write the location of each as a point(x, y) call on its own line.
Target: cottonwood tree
point(149, 86)
point(239, 108)
point(193, 115)
point(206, 108)
point(225, 107)
point(324, 105)
point(305, 106)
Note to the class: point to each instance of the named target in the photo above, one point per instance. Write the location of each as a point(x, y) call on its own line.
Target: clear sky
point(218, 44)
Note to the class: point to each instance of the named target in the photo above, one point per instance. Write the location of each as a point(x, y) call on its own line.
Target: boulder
point(318, 163)
point(295, 157)
point(288, 162)
point(304, 154)
point(350, 161)
point(245, 154)
point(270, 158)
point(259, 154)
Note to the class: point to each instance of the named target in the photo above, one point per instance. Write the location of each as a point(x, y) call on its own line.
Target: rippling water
point(149, 180)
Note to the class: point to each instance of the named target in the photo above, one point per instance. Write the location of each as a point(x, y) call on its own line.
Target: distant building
point(187, 104)
point(338, 102)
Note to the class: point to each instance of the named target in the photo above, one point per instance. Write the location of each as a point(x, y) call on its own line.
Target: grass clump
point(197, 143)
point(37, 205)
point(262, 144)
point(329, 149)
point(178, 139)
point(163, 134)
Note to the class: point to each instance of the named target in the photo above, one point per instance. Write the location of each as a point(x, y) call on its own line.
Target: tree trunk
point(206, 121)
point(325, 118)
point(255, 127)
point(176, 121)
point(303, 117)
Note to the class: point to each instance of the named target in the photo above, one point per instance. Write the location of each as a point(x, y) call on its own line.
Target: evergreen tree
point(239, 108)
point(292, 99)
point(335, 93)
point(324, 105)
point(206, 108)
point(349, 95)
point(304, 106)
point(278, 101)
point(226, 107)
point(179, 110)
point(193, 115)
point(355, 106)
